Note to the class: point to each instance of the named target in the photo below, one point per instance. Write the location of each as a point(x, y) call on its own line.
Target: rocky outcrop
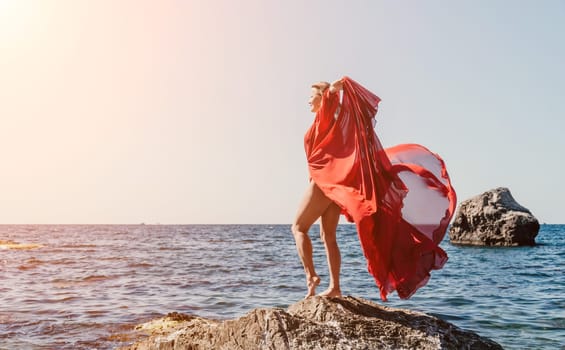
point(313, 323)
point(493, 218)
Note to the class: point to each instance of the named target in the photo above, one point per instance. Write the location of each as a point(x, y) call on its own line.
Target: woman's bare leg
point(328, 227)
point(313, 205)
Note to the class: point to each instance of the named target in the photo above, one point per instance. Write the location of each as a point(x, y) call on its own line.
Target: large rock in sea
point(313, 323)
point(493, 218)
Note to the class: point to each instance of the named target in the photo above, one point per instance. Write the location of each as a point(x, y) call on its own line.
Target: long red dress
point(400, 198)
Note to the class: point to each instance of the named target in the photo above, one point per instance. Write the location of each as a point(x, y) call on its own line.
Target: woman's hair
point(321, 86)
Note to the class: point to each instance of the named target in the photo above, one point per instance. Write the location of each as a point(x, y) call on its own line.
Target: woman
point(316, 205)
point(400, 198)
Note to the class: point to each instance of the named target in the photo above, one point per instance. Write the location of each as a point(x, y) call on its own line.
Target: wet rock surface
point(313, 323)
point(493, 218)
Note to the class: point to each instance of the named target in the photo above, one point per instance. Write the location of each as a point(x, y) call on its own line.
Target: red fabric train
point(400, 198)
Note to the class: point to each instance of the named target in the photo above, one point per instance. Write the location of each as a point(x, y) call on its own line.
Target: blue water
point(90, 284)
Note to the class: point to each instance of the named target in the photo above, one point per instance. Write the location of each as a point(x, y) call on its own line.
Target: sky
point(194, 112)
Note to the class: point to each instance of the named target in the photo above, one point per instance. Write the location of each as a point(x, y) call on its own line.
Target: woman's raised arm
point(336, 85)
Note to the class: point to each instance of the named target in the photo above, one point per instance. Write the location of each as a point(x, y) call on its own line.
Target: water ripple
point(86, 287)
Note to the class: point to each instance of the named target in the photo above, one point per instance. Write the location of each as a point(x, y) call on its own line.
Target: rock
point(313, 323)
point(493, 218)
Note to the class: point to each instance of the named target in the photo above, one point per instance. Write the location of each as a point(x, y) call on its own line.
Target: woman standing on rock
point(400, 198)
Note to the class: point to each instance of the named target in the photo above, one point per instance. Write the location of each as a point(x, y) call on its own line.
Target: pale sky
point(194, 112)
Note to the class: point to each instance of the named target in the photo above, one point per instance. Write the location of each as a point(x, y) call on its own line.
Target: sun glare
point(17, 19)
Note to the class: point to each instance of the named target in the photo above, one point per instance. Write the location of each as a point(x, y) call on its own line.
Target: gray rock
point(493, 218)
point(313, 323)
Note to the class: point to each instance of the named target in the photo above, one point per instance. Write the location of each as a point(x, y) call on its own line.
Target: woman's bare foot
point(331, 292)
point(312, 283)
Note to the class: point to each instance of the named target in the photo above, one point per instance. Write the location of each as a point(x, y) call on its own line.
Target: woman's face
point(315, 100)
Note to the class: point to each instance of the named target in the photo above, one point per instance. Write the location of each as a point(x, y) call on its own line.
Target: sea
point(87, 286)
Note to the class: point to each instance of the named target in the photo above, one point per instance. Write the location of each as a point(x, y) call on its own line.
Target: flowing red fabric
point(400, 198)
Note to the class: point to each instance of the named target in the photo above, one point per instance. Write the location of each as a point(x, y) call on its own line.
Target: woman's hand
point(336, 85)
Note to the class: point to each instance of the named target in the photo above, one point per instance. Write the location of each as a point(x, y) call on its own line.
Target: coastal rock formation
point(493, 218)
point(313, 323)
